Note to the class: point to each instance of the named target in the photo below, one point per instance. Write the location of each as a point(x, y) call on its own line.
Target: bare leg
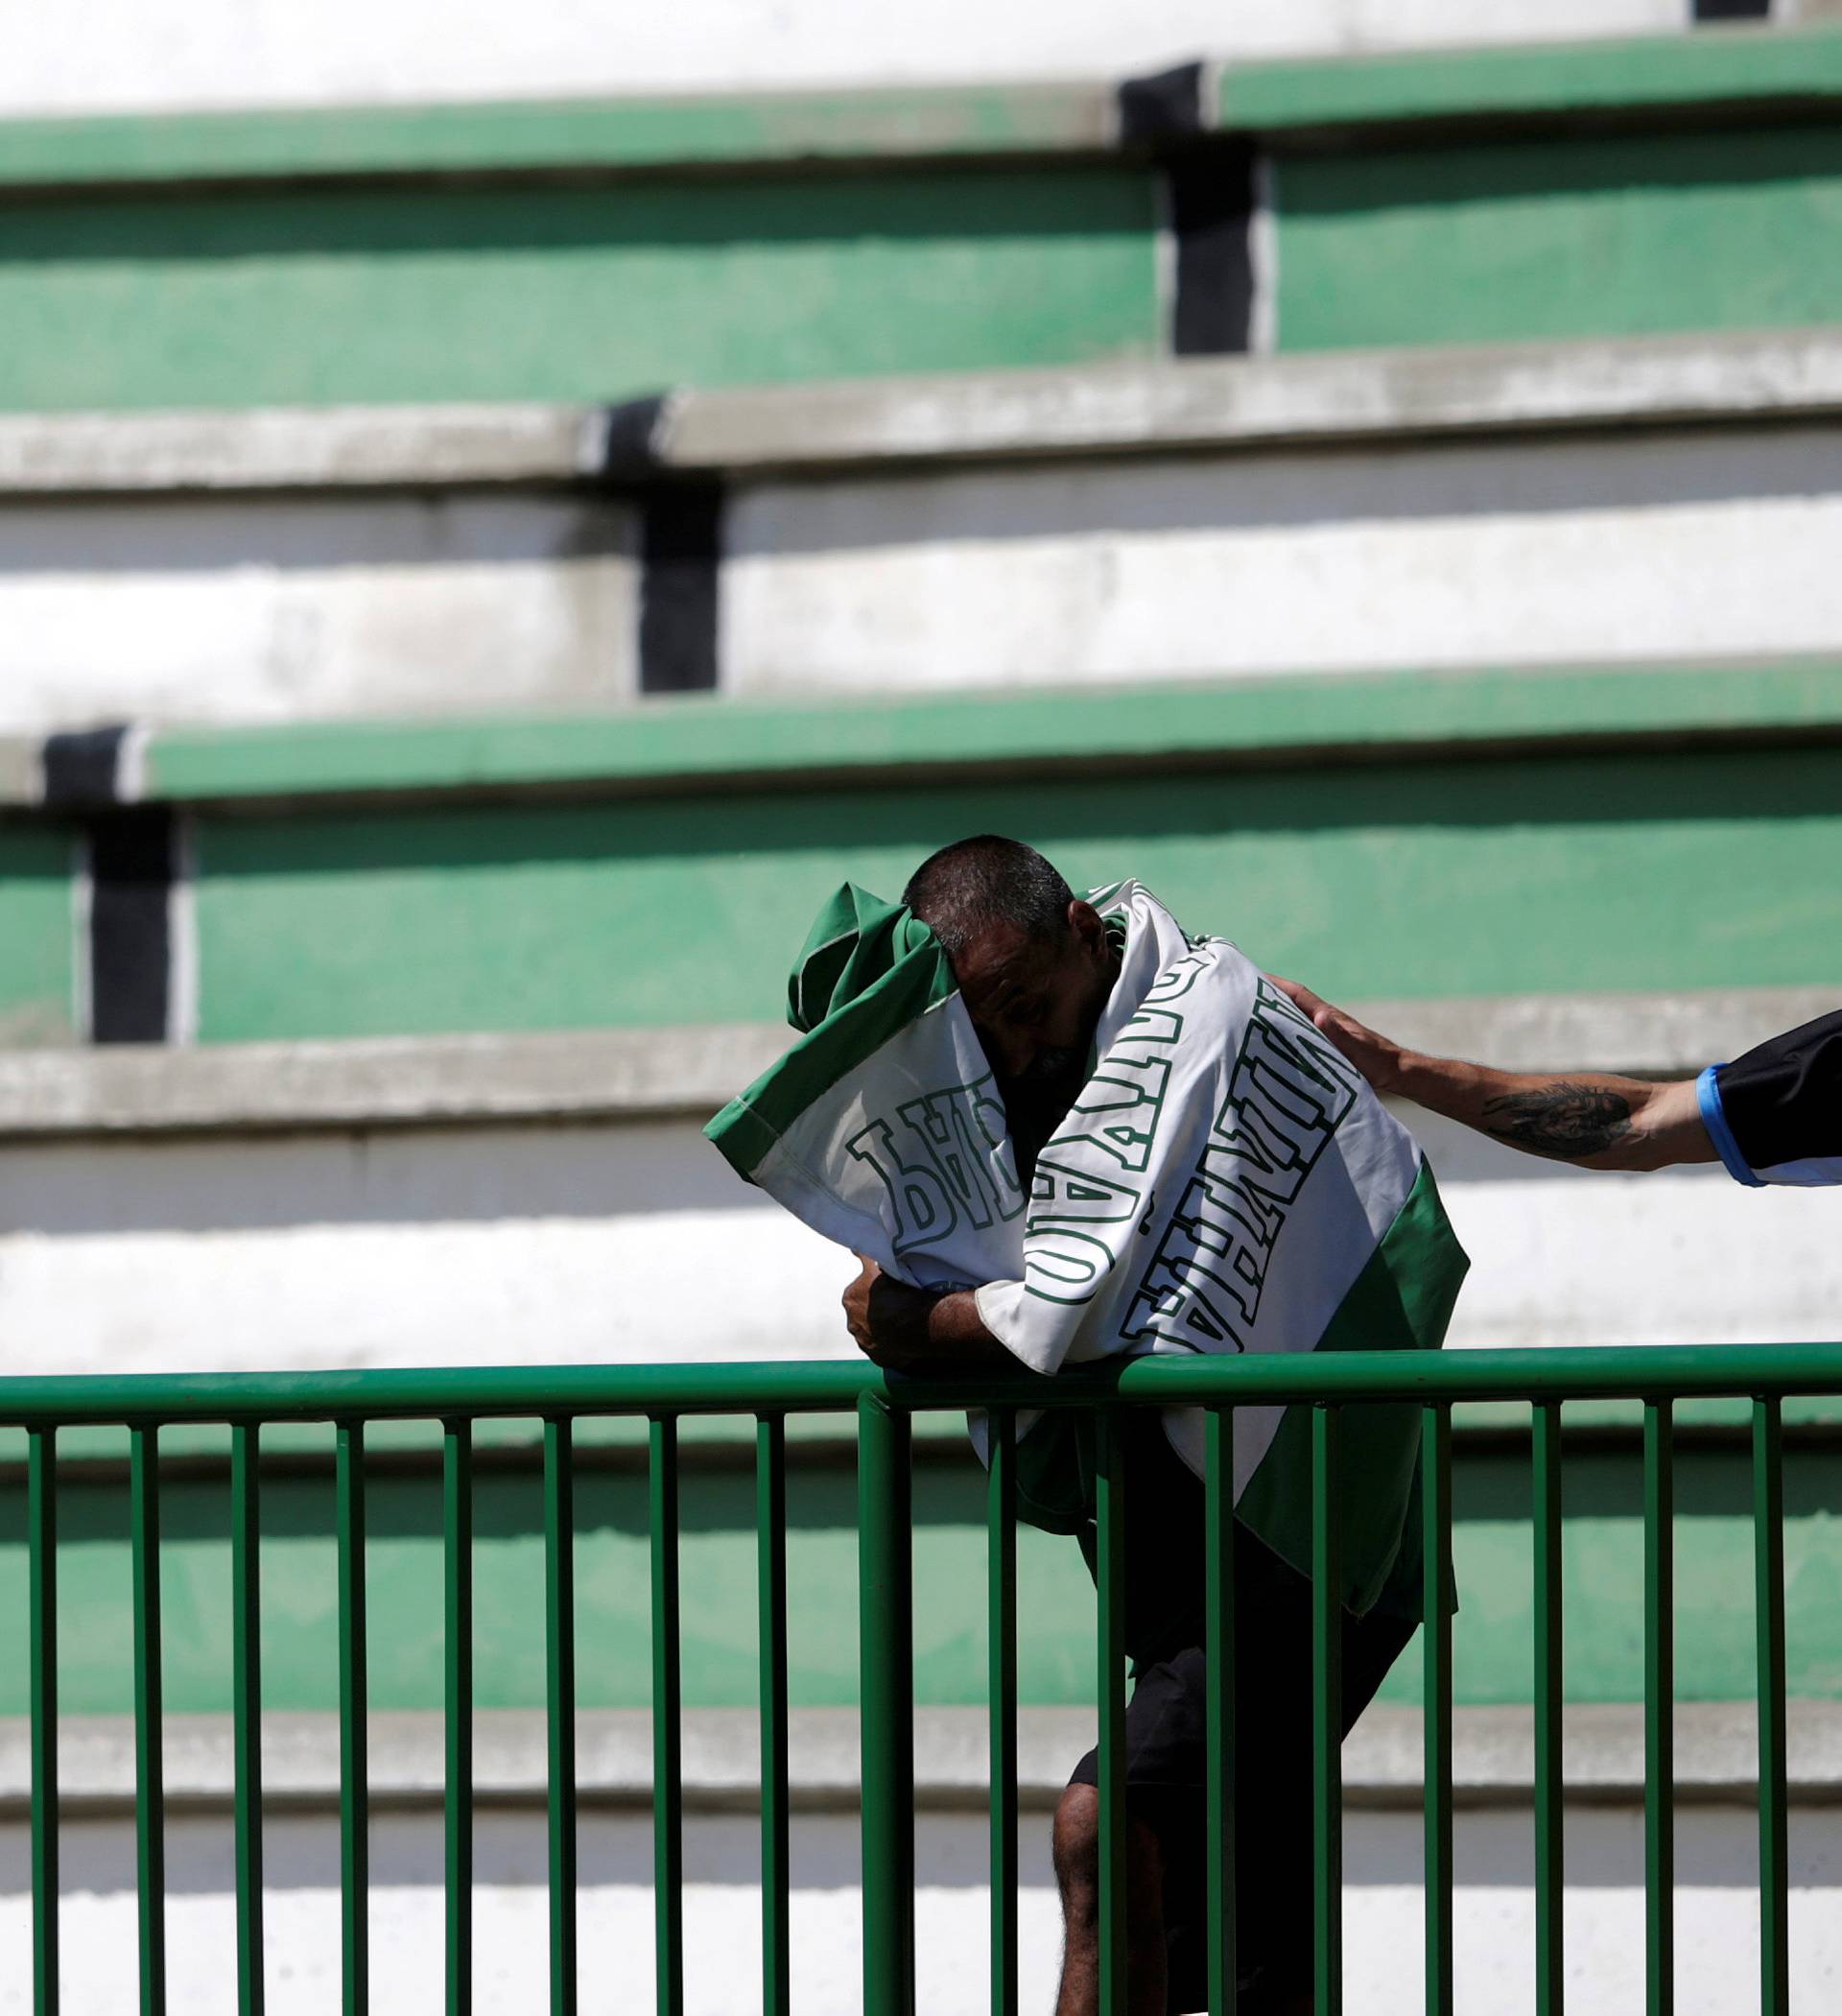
point(1077, 1872)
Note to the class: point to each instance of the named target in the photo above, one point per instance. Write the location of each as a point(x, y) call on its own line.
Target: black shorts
point(1166, 1723)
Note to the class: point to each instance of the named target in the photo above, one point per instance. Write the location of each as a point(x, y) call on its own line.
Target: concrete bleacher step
point(686, 1070)
point(1493, 1759)
point(1349, 512)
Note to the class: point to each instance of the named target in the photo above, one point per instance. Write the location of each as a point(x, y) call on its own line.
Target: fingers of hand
point(855, 1300)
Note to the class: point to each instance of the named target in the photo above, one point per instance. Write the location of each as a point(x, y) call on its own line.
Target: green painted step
point(1309, 820)
point(1729, 228)
point(708, 743)
point(555, 916)
point(37, 981)
point(1492, 1638)
point(630, 134)
point(1282, 98)
point(601, 250)
point(394, 292)
point(1288, 97)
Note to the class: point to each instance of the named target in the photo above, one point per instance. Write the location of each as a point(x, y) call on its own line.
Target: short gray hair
point(974, 884)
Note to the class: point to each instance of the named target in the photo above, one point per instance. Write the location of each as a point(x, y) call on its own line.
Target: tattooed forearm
point(1564, 1120)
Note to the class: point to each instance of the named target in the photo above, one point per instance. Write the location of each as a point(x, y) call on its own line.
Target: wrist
point(1396, 1072)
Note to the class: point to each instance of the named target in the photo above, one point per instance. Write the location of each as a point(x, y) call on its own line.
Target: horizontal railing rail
point(1629, 1372)
point(883, 1404)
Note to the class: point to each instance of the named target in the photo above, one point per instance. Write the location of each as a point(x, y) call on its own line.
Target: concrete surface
point(690, 1069)
point(413, 51)
point(1406, 558)
point(1493, 1758)
point(1714, 377)
point(312, 607)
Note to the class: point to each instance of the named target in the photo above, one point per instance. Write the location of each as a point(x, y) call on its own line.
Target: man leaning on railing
point(1036, 969)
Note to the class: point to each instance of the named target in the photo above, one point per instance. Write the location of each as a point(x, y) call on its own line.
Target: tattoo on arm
point(1564, 1120)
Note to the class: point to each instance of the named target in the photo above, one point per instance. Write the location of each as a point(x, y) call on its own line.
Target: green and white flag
point(1225, 1181)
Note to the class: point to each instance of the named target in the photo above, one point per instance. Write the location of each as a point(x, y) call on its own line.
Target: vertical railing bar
point(1218, 1649)
point(354, 1734)
point(1550, 1864)
point(1110, 1515)
point(1436, 1465)
point(559, 1687)
point(668, 1788)
point(1659, 1710)
point(1001, 1694)
point(246, 1706)
point(1773, 1843)
point(150, 1799)
point(886, 1658)
point(41, 1542)
point(770, 1540)
point(1327, 1716)
point(457, 1559)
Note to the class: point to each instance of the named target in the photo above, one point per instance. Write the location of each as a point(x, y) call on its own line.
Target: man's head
point(1032, 961)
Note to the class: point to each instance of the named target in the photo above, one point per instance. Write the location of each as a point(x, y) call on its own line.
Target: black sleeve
point(1783, 1103)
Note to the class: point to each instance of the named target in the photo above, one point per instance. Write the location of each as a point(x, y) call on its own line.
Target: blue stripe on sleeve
point(1713, 1116)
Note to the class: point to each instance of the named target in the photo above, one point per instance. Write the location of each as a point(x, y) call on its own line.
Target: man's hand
point(1374, 1056)
point(887, 1319)
point(856, 1307)
point(905, 1329)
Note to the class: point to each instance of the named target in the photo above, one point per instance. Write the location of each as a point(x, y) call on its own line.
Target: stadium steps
point(595, 249)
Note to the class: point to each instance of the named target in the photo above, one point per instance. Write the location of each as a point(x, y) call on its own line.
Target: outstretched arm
point(905, 1329)
point(1592, 1118)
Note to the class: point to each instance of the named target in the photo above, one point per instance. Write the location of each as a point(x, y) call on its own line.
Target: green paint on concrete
point(554, 293)
point(667, 743)
point(1422, 880)
point(1602, 1557)
point(1638, 74)
point(88, 1448)
point(585, 136)
point(1492, 1636)
point(402, 1514)
point(1724, 230)
point(1758, 70)
point(37, 987)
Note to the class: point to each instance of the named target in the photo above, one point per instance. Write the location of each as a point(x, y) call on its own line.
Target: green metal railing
point(883, 1406)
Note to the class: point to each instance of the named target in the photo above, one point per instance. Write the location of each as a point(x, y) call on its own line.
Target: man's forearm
point(921, 1333)
point(1587, 1117)
point(1594, 1119)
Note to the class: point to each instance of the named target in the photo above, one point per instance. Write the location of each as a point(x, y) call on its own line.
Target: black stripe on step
point(1166, 107)
point(630, 439)
point(134, 863)
point(1211, 198)
point(82, 768)
point(680, 562)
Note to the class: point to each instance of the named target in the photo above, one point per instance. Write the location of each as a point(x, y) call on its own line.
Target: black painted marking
point(630, 448)
point(1733, 10)
point(1166, 107)
point(681, 564)
point(82, 768)
point(132, 865)
point(1211, 198)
